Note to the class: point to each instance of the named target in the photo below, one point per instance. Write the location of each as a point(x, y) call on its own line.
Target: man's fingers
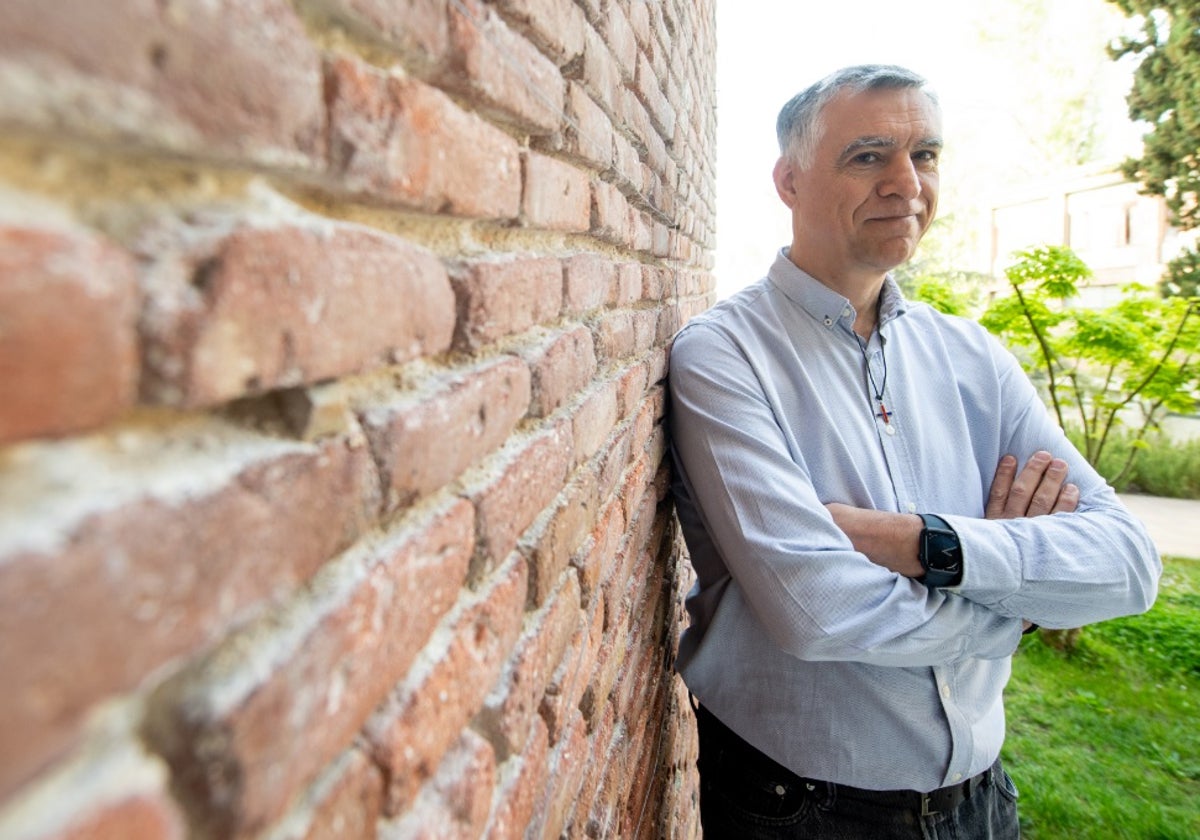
point(1068, 499)
point(1001, 484)
point(1049, 488)
point(1025, 485)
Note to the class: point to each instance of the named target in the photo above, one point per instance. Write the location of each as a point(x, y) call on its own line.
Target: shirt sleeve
point(1065, 569)
point(753, 520)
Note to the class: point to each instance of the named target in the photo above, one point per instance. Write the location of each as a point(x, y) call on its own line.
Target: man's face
point(870, 193)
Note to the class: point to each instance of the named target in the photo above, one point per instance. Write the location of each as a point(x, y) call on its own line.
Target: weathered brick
point(568, 681)
point(398, 140)
point(497, 298)
point(627, 165)
point(457, 801)
point(521, 780)
point(619, 37)
point(566, 530)
point(561, 368)
point(418, 29)
point(593, 421)
point(601, 75)
point(614, 336)
point(425, 439)
point(648, 88)
point(505, 74)
point(142, 74)
point(425, 715)
point(586, 278)
point(568, 764)
point(628, 287)
point(605, 538)
point(248, 727)
point(347, 801)
point(610, 213)
point(144, 816)
point(238, 305)
point(142, 542)
point(557, 195)
point(68, 337)
point(554, 25)
point(529, 476)
point(510, 708)
point(588, 132)
point(631, 386)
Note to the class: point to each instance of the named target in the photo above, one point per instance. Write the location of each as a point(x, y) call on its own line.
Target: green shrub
point(1163, 467)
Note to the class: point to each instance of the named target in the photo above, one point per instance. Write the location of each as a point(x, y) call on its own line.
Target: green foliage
point(1101, 739)
point(1182, 276)
point(940, 292)
point(1100, 368)
point(1166, 96)
point(1163, 467)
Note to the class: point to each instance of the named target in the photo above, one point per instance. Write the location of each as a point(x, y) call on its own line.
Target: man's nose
point(901, 178)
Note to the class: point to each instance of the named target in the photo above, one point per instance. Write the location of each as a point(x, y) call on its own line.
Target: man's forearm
point(888, 539)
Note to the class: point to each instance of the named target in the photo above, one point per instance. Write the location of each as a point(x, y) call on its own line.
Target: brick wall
point(332, 345)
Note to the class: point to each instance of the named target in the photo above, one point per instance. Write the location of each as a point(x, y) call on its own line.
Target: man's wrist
point(939, 552)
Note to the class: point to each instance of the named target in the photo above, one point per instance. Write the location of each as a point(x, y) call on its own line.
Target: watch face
point(942, 551)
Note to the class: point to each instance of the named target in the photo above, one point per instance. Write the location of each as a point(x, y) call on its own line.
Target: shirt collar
point(823, 303)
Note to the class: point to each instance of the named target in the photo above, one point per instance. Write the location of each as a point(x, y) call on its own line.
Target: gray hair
point(800, 124)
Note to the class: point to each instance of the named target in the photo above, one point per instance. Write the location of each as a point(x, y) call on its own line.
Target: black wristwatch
point(940, 553)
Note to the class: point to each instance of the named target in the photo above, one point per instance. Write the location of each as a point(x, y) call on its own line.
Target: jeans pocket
point(750, 798)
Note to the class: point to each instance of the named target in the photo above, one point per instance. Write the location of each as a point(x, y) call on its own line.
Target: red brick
point(561, 368)
point(649, 89)
point(142, 543)
point(557, 195)
point(529, 477)
point(599, 756)
point(568, 764)
point(281, 303)
point(618, 35)
point(568, 681)
point(522, 778)
point(425, 439)
point(554, 25)
point(586, 279)
point(645, 329)
point(593, 421)
point(627, 165)
point(614, 336)
point(247, 728)
point(503, 73)
point(348, 802)
point(588, 133)
point(143, 816)
point(457, 801)
point(511, 707)
point(601, 75)
point(418, 29)
point(628, 287)
point(68, 338)
point(497, 298)
point(397, 140)
point(140, 73)
point(631, 386)
point(639, 236)
point(604, 540)
point(410, 734)
point(610, 213)
point(565, 532)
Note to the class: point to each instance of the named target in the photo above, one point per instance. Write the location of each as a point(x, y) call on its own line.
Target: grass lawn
point(1104, 742)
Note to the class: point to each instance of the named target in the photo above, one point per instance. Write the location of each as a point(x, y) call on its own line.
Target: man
point(867, 552)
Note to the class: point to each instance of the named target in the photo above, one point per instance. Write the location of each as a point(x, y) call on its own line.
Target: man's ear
point(785, 180)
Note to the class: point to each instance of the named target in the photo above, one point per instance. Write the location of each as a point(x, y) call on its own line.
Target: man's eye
point(926, 156)
point(866, 157)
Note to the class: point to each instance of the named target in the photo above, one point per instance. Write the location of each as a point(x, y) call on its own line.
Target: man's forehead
point(881, 117)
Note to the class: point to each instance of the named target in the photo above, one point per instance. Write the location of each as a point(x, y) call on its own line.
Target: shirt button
point(828, 321)
point(946, 691)
point(912, 507)
point(891, 430)
point(846, 311)
point(956, 777)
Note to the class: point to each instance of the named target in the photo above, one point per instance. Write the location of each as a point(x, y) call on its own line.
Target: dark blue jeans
point(744, 795)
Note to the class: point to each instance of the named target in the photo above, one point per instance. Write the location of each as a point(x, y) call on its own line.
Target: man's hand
point(891, 539)
point(1040, 488)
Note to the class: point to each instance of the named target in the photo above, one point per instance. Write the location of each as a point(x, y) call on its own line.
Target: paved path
point(1174, 524)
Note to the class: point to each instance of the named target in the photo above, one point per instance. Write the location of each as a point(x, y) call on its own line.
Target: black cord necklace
point(871, 386)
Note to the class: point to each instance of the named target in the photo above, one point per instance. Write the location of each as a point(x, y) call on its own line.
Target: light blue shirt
point(838, 668)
